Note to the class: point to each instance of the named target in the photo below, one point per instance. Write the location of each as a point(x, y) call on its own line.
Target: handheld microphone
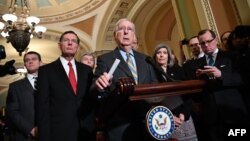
point(158, 68)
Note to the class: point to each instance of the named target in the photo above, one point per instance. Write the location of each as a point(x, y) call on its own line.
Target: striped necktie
point(132, 67)
point(72, 77)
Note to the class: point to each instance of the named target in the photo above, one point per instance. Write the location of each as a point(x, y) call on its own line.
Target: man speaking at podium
point(122, 118)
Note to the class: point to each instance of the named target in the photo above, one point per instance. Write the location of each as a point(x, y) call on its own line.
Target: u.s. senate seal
point(160, 122)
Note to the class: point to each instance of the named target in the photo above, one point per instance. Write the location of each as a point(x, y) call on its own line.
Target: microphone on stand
point(158, 68)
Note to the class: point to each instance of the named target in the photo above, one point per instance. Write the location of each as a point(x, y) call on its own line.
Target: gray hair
point(119, 21)
point(171, 60)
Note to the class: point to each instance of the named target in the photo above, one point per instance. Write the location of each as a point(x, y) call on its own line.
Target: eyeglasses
point(194, 45)
point(206, 42)
point(128, 29)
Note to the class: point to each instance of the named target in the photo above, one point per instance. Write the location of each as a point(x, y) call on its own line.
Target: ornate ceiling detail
point(83, 10)
point(209, 15)
point(86, 25)
point(236, 11)
point(121, 12)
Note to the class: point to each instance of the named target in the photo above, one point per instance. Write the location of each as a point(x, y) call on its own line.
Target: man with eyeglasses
point(222, 104)
point(123, 119)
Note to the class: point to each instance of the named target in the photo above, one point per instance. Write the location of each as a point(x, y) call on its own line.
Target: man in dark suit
point(188, 65)
point(223, 106)
point(63, 100)
point(20, 104)
point(122, 118)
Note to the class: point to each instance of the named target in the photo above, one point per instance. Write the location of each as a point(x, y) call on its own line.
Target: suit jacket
point(115, 109)
point(241, 64)
point(221, 97)
point(59, 110)
point(20, 108)
point(190, 67)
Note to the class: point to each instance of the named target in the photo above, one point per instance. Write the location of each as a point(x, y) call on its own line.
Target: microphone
point(158, 68)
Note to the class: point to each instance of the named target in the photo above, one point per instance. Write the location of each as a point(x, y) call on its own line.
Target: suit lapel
point(201, 62)
point(27, 84)
point(62, 76)
point(80, 80)
point(139, 63)
point(219, 59)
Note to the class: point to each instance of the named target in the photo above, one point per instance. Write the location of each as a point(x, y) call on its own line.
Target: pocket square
point(222, 66)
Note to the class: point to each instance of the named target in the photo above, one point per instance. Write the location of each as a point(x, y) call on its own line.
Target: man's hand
point(34, 132)
point(179, 120)
point(103, 81)
point(210, 71)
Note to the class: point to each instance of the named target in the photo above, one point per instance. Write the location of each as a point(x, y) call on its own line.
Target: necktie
point(35, 83)
point(210, 60)
point(132, 67)
point(72, 77)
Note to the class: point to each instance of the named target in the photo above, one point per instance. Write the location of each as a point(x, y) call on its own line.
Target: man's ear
point(78, 47)
point(115, 36)
point(41, 63)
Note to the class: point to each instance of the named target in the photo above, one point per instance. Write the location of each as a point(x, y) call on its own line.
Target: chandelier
point(19, 26)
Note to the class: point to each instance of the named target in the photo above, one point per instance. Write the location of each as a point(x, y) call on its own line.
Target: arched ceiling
point(93, 21)
point(54, 10)
point(58, 16)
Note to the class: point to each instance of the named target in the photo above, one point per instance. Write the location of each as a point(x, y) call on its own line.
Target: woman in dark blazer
point(167, 71)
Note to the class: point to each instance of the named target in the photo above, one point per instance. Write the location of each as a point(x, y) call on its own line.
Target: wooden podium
point(126, 86)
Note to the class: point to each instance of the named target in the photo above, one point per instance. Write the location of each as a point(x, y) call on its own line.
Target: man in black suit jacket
point(223, 106)
point(20, 104)
point(189, 65)
point(123, 118)
point(60, 107)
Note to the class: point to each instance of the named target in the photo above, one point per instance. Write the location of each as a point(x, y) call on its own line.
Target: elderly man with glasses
point(123, 119)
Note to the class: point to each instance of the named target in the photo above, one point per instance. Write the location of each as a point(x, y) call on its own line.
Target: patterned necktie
point(210, 60)
point(72, 77)
point(132, 67)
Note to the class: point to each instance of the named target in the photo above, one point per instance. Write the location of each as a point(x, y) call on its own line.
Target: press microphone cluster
point(158, 68)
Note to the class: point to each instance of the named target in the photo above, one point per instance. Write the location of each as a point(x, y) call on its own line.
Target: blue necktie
point(132, 67)
point(210, 60)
